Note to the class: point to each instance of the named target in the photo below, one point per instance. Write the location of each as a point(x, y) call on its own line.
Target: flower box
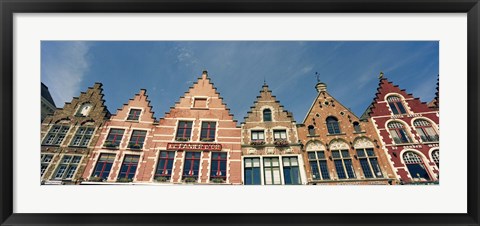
point(135, 146)
point(218, 180)
point(124, 180)
point(280, 143)
point(95, 179)
point(109, 144)
point(190, 180)
point(182, 139)
point(257, 142)
point(161, 179)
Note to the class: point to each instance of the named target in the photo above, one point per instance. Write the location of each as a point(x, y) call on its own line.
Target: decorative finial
point(381, 75)
point(318, 76)
point(205, 72)
point(264, 80)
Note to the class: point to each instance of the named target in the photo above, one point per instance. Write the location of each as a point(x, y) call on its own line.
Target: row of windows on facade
point(82, 137)
point(69, 164)
point(368, 162)
point(271, 168)
point(399, 134)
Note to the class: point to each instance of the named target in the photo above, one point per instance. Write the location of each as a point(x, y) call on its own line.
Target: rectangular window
point(184, 131)
point(318, 165)
point(67, 167)
point(82, 136)
point(137, 139)
point(208, 131)
point(369, 163)
point(56, 135)
point(280, 134)
point(252, 171)
point(191, 165)
point(271, 167)
point(165, 165)
point(45, 160)
point(219, 166)
point(291, 173)
point(114, 138)
point(129, 167)
point(258, 135)
point(134, 114)
point(343, 164)
point(104, 165)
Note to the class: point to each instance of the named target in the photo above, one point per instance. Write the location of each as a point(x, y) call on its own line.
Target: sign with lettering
point(194, 146)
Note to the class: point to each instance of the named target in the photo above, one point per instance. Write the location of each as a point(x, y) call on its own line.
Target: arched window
point(415, 166)
point(436, 157)
point(267, 115)
point(396, 105)
point(425, 130)
point(356, 127)
point(398, 133)
point(332, 125)
point(311, 130)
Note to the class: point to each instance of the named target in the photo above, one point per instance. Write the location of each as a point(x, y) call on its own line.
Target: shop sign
point(194, 146)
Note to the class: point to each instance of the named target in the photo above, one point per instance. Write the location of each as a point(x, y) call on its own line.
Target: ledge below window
point(337, 134)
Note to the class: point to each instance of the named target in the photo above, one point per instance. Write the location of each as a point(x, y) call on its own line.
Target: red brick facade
point(339, 148)
point(409, 132)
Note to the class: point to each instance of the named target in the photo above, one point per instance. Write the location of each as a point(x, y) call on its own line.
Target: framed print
point(142, 105)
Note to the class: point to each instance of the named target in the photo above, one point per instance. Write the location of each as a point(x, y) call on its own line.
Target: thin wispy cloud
point(64, 69)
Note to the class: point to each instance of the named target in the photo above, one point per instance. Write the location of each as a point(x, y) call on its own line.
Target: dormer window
point(332, 125)
point(134, 114)
point(84, 110)
point(396, 105)
point(200, 102)
point(267, 115)
point(356, 127)
point(311, 130)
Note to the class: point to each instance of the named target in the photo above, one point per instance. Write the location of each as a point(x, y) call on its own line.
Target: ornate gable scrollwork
point(338, 145)
point(363, 143)
point(315, 146)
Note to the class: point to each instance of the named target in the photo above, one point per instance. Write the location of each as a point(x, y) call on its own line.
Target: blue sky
point(238, 68)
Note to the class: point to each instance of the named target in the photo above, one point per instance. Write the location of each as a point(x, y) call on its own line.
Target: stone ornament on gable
point(315, 146)
point(363, 143)
point(337, 145)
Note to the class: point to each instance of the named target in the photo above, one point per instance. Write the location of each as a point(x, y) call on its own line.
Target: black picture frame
point(9, 7)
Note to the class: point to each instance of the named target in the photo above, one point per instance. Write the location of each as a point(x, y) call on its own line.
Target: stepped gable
point(385, 87)
point(139, 101)
point(94, 96)
point(202, 88)
point(435, 103)
point(266, 98)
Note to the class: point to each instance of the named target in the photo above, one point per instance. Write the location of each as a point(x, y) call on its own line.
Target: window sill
point(131, 120)
point(111, 148)
point(336, 134)
point(359, 132)
point(315, 135)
